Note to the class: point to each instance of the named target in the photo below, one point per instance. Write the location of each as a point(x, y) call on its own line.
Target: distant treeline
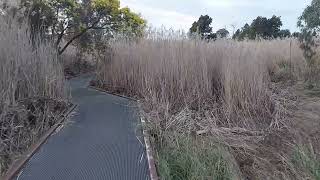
point(261, 27)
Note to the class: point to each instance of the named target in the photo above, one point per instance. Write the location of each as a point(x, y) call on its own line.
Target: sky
point(180, 14)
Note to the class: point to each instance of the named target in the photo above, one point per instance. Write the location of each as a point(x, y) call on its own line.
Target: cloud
point(229, 3)
point(158, 16)
point(180, 14)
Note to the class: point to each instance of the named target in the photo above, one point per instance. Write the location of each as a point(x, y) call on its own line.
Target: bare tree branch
point(93, 26)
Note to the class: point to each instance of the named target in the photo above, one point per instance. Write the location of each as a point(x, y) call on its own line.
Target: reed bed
point(236, 93)
point(234, 76)
point(32, 89)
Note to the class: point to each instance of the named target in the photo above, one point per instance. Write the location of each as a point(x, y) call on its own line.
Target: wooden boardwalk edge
point(17, 166)
point(149, 151)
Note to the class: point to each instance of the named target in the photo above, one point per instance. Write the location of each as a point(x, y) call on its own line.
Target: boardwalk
point(100, 142)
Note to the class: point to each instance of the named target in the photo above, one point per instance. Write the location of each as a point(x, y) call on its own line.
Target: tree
point(236, 34)
point(40, 15)
point(247, 32)
point(274, 26)
point(310, 18)
point(202, 27)
point(72, 19)
point(130, 23)
point(284, 33)
point(261, 27)
point(244, 33)
point(309, 23)
point(296, 34)
point(222, 33)
point(266, 28)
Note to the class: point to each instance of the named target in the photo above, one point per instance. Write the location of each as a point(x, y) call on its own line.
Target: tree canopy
point(309, 22)
point(72, 19)
point(310, 18)
point(203, 28)
point(284, 33)
point(222, 33)
point(296, 34)
point(262, 27)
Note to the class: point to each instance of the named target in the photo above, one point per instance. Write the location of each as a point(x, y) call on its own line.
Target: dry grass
point(233, 76)
point(32, 89)
point(222, 89)
point(76, 61)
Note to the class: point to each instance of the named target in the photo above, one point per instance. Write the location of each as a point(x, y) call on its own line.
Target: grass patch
point(312, 91)
point(307, 160)
point(190, 159)
point(285, 73)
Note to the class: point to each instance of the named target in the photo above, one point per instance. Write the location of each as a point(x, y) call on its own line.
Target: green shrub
point(306, 159)
point(189, 159)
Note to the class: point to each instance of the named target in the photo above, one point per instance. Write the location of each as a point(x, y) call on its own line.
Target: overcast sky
point(180, 14)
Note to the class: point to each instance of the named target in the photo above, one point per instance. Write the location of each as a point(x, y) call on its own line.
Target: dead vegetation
point(240, 94)
point(76, 62)
point(32, 89)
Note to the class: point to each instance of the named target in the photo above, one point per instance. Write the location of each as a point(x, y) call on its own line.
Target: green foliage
point(105, 5)
point(273, 26)
point(262, 27)
point(131, 23)
point(308, 45)
point(85, 20)
point(309, 22)
point(284, 33)
point(306, 159)
point(310, 18)
point(188, 159)
point(244, 33)
point(40, 14)
point(203, 28)
point(222, 33)
point(237, 34)
point(296, 34)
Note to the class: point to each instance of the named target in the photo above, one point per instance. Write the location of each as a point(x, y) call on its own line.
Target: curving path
point(100, 143)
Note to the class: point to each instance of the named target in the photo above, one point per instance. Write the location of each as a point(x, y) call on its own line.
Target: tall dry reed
point(234, 76)
point(32, 89)
point(223, 88)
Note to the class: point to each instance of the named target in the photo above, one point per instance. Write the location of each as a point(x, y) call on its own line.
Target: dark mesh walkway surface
point(100, 142)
